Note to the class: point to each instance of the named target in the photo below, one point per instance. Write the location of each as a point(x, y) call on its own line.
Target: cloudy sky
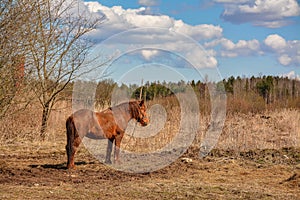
point(232, 37)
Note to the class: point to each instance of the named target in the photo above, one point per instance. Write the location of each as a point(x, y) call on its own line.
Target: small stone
point(186, 160)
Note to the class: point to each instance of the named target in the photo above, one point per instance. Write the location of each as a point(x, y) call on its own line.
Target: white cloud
point(284, 8)
point(241, 48)
point(119, 19)
point(287, 52)
point(148, 20)
point(199, 32)
point(231, 1)
point(148, 2)
point(148, 54)
point(207, 58)
point(163, 31)
point(292, 75)
point(276, 42)
point(285, 59)
point(268, 13)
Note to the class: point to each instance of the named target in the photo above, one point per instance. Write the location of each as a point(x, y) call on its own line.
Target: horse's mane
point(131, 106)
point(134, 108)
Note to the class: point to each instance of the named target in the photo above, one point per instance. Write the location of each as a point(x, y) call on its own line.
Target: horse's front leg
point(117, 147)
point(108, 151)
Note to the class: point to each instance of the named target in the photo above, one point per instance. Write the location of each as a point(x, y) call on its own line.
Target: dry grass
point(241, 132)
point(36, 171)
point(271, 129)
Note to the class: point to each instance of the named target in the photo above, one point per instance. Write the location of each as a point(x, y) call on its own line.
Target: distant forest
point(245, 95)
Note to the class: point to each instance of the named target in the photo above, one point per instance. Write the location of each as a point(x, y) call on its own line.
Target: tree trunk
point(45, 117)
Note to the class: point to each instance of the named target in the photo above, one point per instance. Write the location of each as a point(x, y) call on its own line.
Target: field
point(257, 157)
point(34, 171)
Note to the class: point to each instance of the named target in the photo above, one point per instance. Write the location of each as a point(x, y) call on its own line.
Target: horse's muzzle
point(144, 121)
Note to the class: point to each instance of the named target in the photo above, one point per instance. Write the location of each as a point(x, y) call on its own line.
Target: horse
point(108, 124)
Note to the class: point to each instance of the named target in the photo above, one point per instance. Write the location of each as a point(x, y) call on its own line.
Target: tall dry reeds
point(273, 129)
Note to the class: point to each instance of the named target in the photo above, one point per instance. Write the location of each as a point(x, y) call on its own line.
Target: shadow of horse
point(60, 166)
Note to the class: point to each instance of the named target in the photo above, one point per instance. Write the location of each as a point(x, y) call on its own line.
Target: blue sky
point(240, 37)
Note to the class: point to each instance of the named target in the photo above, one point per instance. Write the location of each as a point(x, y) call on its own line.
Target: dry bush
point(57, 121)
point(250, 103)
point(24, 125)
point(293, 103)
point(20, 125)
point(270, 130)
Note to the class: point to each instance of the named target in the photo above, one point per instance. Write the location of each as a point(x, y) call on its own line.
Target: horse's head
point(142, 117)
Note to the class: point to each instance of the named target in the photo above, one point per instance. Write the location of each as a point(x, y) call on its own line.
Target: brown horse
point(109, 124)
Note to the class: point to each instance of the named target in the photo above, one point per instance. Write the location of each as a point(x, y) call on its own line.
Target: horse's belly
point(95, 136)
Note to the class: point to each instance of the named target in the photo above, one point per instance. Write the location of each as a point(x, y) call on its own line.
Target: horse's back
point(82, 112)
point(85, 122)
point(95, 125)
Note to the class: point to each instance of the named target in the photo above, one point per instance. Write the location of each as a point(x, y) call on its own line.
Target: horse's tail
point(71, 132)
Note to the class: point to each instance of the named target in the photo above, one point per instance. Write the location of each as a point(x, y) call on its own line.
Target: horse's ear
point(142, 102)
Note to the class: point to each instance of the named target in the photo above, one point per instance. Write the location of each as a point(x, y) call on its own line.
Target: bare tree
point(104, 92)
point(13, 15)
point(57, 49)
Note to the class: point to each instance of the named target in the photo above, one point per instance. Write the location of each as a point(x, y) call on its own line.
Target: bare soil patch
point(38, 170)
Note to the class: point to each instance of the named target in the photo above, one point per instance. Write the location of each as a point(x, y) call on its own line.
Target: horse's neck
point(122, 117)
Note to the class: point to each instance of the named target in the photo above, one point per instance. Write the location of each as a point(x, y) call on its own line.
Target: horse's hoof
point(71, 166)
point(108, 162)
point(118, 162)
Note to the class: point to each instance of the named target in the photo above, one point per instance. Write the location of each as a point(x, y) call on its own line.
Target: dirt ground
point(37, 171)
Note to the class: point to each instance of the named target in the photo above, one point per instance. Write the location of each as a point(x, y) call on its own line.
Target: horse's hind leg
point(109, 150)
point(71, 154)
